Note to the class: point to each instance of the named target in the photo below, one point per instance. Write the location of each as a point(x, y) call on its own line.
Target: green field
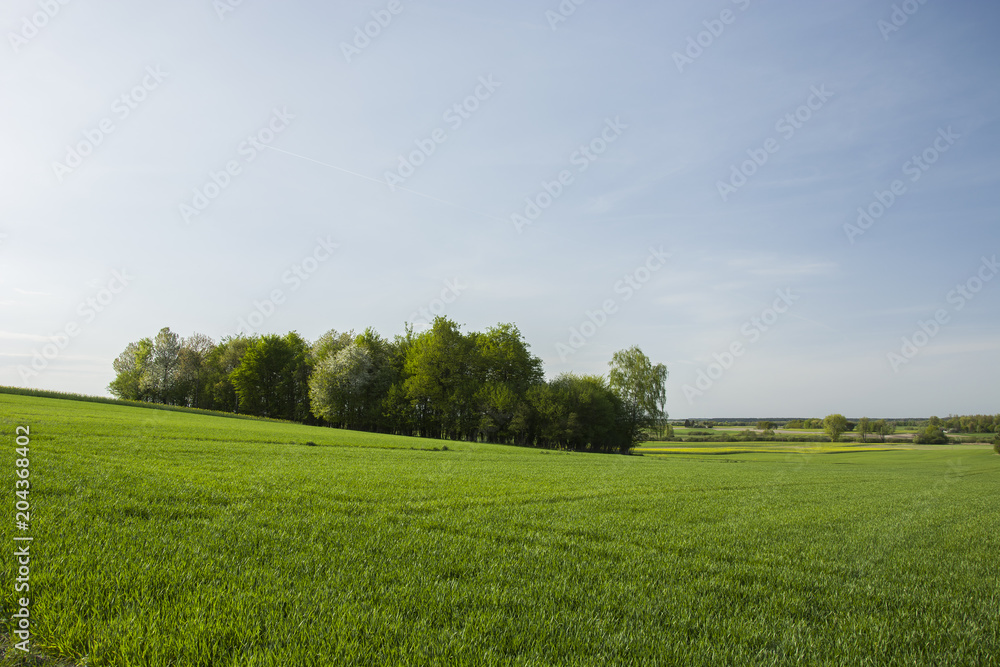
point(164, 538)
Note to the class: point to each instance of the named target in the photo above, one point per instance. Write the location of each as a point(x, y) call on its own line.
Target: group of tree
point(440, 383)
point(967, 423)
point(816, 423)
point(879, 428)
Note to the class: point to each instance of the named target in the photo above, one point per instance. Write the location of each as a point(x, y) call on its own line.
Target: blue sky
point(807, 111)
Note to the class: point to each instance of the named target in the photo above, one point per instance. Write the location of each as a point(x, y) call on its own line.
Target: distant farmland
point(169, 538)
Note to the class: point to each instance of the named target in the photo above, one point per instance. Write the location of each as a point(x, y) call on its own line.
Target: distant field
point(165, 538)
point(757, 448)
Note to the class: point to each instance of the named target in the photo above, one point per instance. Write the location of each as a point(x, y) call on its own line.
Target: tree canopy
point(442, 383)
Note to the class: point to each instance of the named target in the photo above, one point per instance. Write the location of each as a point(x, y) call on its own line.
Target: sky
point(793, 205)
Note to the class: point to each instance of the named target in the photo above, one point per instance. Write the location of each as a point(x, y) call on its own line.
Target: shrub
point(996, 443)
point(932, 435)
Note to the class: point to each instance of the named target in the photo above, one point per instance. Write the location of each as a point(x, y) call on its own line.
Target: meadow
point(168, 538)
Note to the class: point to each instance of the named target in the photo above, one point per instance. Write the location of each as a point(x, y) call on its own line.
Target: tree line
point(441, 383)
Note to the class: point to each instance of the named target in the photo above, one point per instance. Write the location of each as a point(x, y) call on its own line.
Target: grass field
point(164, 538)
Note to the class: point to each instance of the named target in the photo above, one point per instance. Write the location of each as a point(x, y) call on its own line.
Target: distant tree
point(220, 363)
point(330, 344)
point(507, 369)
point(338, 386)
point(296, 387)
point(996, 443)
point(814, 423)
point(130, 366)
point(271, 380)
point(883, 429)
point(765, 426)
point(398, 413)
point(349, 386)
point(835, 425)
point(192, 385)
point(864, 428)
point(641, 387)
point(580, 413)
point(932, 435)
point(161, 373)
point(935, 422)
point(796, 424)
point(441, 368)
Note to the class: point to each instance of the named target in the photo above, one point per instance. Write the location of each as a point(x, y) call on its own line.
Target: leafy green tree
point(835, 425)
point(220, 364)
point(932, 435)
point(441, 368)
point(580, 413)
point(338, 385)
point(864, 428)
point(349, 387)
point(192, 386)
point(400, 418)
point(507, 369)
point(160, 376)
point(641, 388)
point(883, 428)
point(384, 373)
point(996, 443)
point(296, 388)
point(131, 366)
point(329, 344)
point(272, 378)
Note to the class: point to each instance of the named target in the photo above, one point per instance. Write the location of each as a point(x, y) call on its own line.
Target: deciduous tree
point(641, 387)
point(161, 373)
point(864, 428)
point(835, 425)
point(131, 366)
